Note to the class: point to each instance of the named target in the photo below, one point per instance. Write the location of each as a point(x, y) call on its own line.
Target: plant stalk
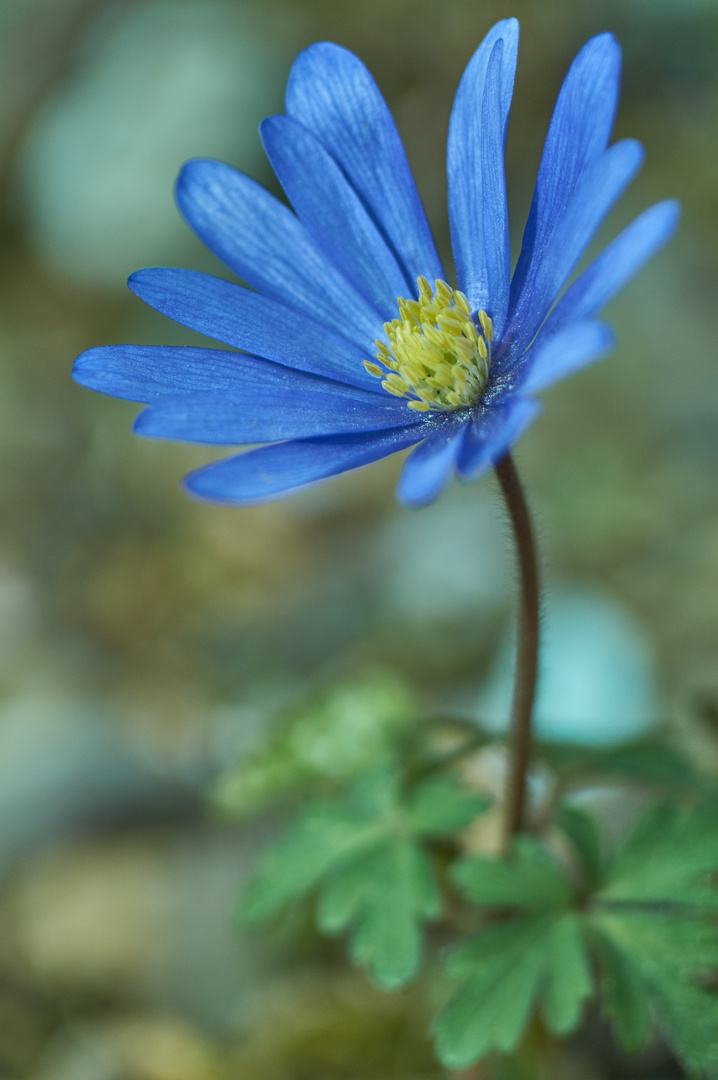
point(527, 642)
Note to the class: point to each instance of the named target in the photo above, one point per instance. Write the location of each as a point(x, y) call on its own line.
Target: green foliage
point(529, 879)
point(623, 994)
point(568, 981)
point(649, 762)
point(644, 919)
point(334, 737)
point(365, 855)
point(657, 935)
point(655, 962)
point(670, 856)
point(506, 970)
point(562, 921)
point(582, 831)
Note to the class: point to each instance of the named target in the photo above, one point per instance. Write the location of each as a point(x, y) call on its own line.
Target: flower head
point(353, 345)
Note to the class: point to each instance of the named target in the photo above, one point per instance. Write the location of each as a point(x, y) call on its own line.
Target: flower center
point(436, 356)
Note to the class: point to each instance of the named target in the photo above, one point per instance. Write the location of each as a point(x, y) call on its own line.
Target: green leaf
point(322, 837)
point(582, 830)
point(505, 972)
point(363, 856)
point(624, 995)
point(402, 893)
point(647, 761)
point(490, 1011)
point(344, 894)
point(334, 737)
point(568, 982)
point(440, 805)
point(656, 936)
point(668, 954)
point(671, 856)
point(528, 878)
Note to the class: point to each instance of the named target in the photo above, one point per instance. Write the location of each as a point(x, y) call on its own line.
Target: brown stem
point(527, 640)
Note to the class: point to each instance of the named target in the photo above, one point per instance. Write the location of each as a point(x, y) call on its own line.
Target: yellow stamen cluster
point(436, 356)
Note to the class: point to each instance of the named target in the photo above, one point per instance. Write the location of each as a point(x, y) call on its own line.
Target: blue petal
point(252, 322)
point(569, 350)
point(491, 434)
point(294, 407)
point(333, 213)
point(580, 128)
point(333, 95)
point(428, 468)
point(268, 247)
point(261, 475)
point(147, 372)
point(475, 167)
point(601, 187)
point(623, 258)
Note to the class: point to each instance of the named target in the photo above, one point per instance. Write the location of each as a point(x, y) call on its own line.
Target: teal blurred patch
point(598, 677)
point(155, 85)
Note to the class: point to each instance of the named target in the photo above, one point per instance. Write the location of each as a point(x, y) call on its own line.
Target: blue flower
point(352, 344)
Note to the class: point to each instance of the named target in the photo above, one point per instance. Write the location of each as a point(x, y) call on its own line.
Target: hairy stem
point(527, 640)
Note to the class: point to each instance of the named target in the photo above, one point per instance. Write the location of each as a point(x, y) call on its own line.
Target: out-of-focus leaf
point(668, 954)
point(490, 1010)
point(323, 836)
point(567, 980)
point(582, 830)
point(507, 970)
point(335, 737)
point(439, 805)
point(671, 856)
point(647, 761)
point(624, 995)
point(656, 934)
point(401, 893)
point(528, 878)
point(364, 854)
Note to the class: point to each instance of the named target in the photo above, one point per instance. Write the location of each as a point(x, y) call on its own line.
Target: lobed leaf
point(321, 838)
point(363, 855)
point(400, 894)
point(440, 805)
point(507, 970)
point(665, 955)
point(490, 1011)
point(624, 994)
point(529, 878)
point(334, 737)
point(670, 857)
point(568, 981)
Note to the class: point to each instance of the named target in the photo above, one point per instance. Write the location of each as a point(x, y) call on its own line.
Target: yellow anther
point(449, 325)
point(486, 325)
point(408, 309)
point(464, 349)
point(444, 291)
point(434, 335)
point(461, 302)
point(436, 356)
point(392, 390)
point(424, 288)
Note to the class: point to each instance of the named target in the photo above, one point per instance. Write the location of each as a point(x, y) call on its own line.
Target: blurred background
point(148, 643)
